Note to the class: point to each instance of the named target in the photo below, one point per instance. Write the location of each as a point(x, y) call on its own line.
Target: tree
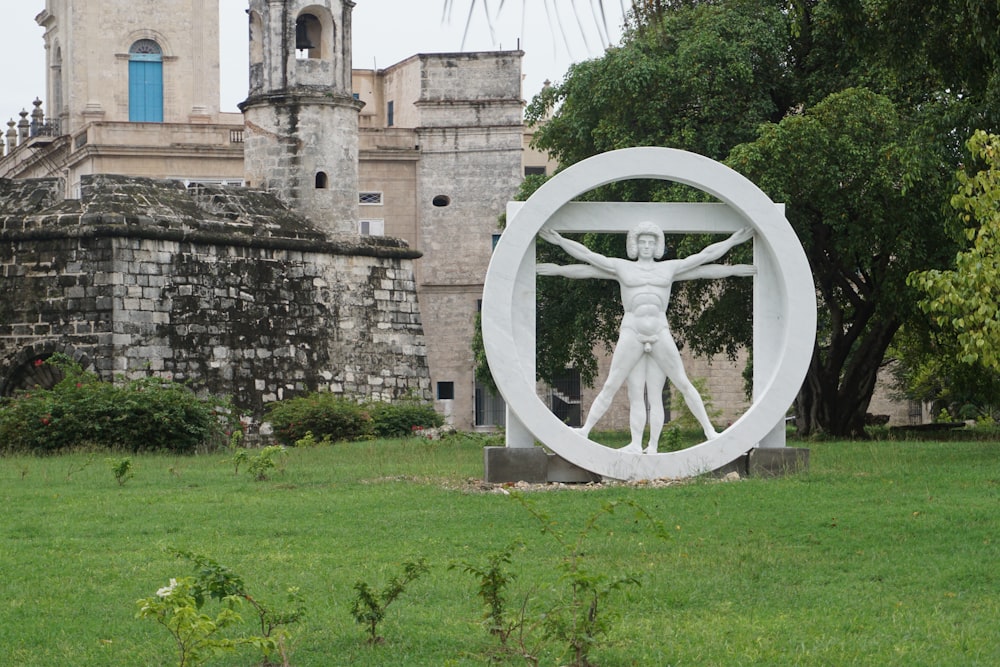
point(965, 300)
point(839, 166)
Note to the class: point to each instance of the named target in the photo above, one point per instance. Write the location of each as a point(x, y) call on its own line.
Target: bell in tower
point(301, 138)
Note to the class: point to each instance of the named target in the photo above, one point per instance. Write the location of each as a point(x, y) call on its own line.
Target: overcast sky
point(385, 32)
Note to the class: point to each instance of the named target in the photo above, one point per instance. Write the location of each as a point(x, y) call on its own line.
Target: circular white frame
point(796, 303)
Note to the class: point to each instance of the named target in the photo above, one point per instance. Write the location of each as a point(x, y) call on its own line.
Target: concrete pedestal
point(535, 466)
point(532, 465)
point(777, 461)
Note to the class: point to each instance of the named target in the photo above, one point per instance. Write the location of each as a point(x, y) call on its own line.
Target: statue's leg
point(627, 353)
point(669, 359)
point(695, 404)
point(636, 384)
point(655, 380)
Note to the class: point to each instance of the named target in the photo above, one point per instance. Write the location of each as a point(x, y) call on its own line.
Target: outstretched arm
point(716, 250)
point(573, 271)
point(578, 250)
point(712, 271)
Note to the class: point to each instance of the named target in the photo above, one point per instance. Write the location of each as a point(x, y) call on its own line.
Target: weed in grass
point(239, 457)
point(218, 582)
point(122, 469)
point(79, 467)
point(494, 578)
point(198, 636)
point(369, 606)
point(270, 458)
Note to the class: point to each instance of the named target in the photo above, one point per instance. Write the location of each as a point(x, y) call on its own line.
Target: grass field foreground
point(883, 553)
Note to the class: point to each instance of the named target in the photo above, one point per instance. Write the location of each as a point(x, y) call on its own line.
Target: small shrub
point(397, 420)
point(180, 608)
point(122, 469)
point(580, 619)
point(197, 636)
point(324, 417)
point(369, 606)
point(494, 579)
point(264, 462)
point(327, 416)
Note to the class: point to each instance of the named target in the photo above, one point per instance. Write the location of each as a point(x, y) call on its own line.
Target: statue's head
point(643, 229)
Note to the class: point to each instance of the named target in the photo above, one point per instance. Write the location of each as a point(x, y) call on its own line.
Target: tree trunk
point(838, 388)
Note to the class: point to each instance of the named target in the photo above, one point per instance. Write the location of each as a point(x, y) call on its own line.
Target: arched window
point(145, 82)
point(322, 182)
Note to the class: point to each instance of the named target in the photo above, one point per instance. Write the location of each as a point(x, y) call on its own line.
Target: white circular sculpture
point(791, 310)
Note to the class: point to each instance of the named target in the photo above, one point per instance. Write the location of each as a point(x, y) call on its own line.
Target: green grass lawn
point(883, 553)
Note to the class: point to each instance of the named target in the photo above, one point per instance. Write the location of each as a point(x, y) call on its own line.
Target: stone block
point(778, 461)
point(515, 464)
point(561, 470)
point(741, 466)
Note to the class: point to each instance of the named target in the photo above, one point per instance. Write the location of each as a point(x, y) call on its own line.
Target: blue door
point(145, 88)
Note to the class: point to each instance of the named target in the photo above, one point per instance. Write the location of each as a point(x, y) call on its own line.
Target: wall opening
point(441, 201)
point(446, 391)
point(322, 180)
point(308, 37)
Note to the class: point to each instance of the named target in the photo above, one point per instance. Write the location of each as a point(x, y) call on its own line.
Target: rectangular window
point(145, 91)
point(390, 113)
point(446, 391)
point(370, 198)
point(496, 239)
point(532, 171)
point(371, 227)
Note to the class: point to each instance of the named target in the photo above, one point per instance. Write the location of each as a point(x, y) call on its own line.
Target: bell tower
point(301, 137)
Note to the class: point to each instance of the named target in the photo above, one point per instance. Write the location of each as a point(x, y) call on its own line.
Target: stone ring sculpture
point(792, 302)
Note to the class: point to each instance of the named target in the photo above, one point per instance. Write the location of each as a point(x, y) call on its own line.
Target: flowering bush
point(81, 410)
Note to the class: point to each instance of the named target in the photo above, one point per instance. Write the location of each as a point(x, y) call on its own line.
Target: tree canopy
point(965, 300)
point(851, 112)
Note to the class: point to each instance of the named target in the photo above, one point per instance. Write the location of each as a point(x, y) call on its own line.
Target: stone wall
point(219, 287)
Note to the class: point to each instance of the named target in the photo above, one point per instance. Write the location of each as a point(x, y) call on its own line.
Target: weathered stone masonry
point(220, 287)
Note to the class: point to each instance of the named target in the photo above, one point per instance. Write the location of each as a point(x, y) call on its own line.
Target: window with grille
point(370, 198)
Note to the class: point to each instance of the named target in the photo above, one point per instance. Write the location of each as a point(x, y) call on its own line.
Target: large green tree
point(864, 105)
point(840, 166)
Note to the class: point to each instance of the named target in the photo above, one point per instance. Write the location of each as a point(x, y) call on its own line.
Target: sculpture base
point(532, 465)
point(535, 466)
point(777, 461)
